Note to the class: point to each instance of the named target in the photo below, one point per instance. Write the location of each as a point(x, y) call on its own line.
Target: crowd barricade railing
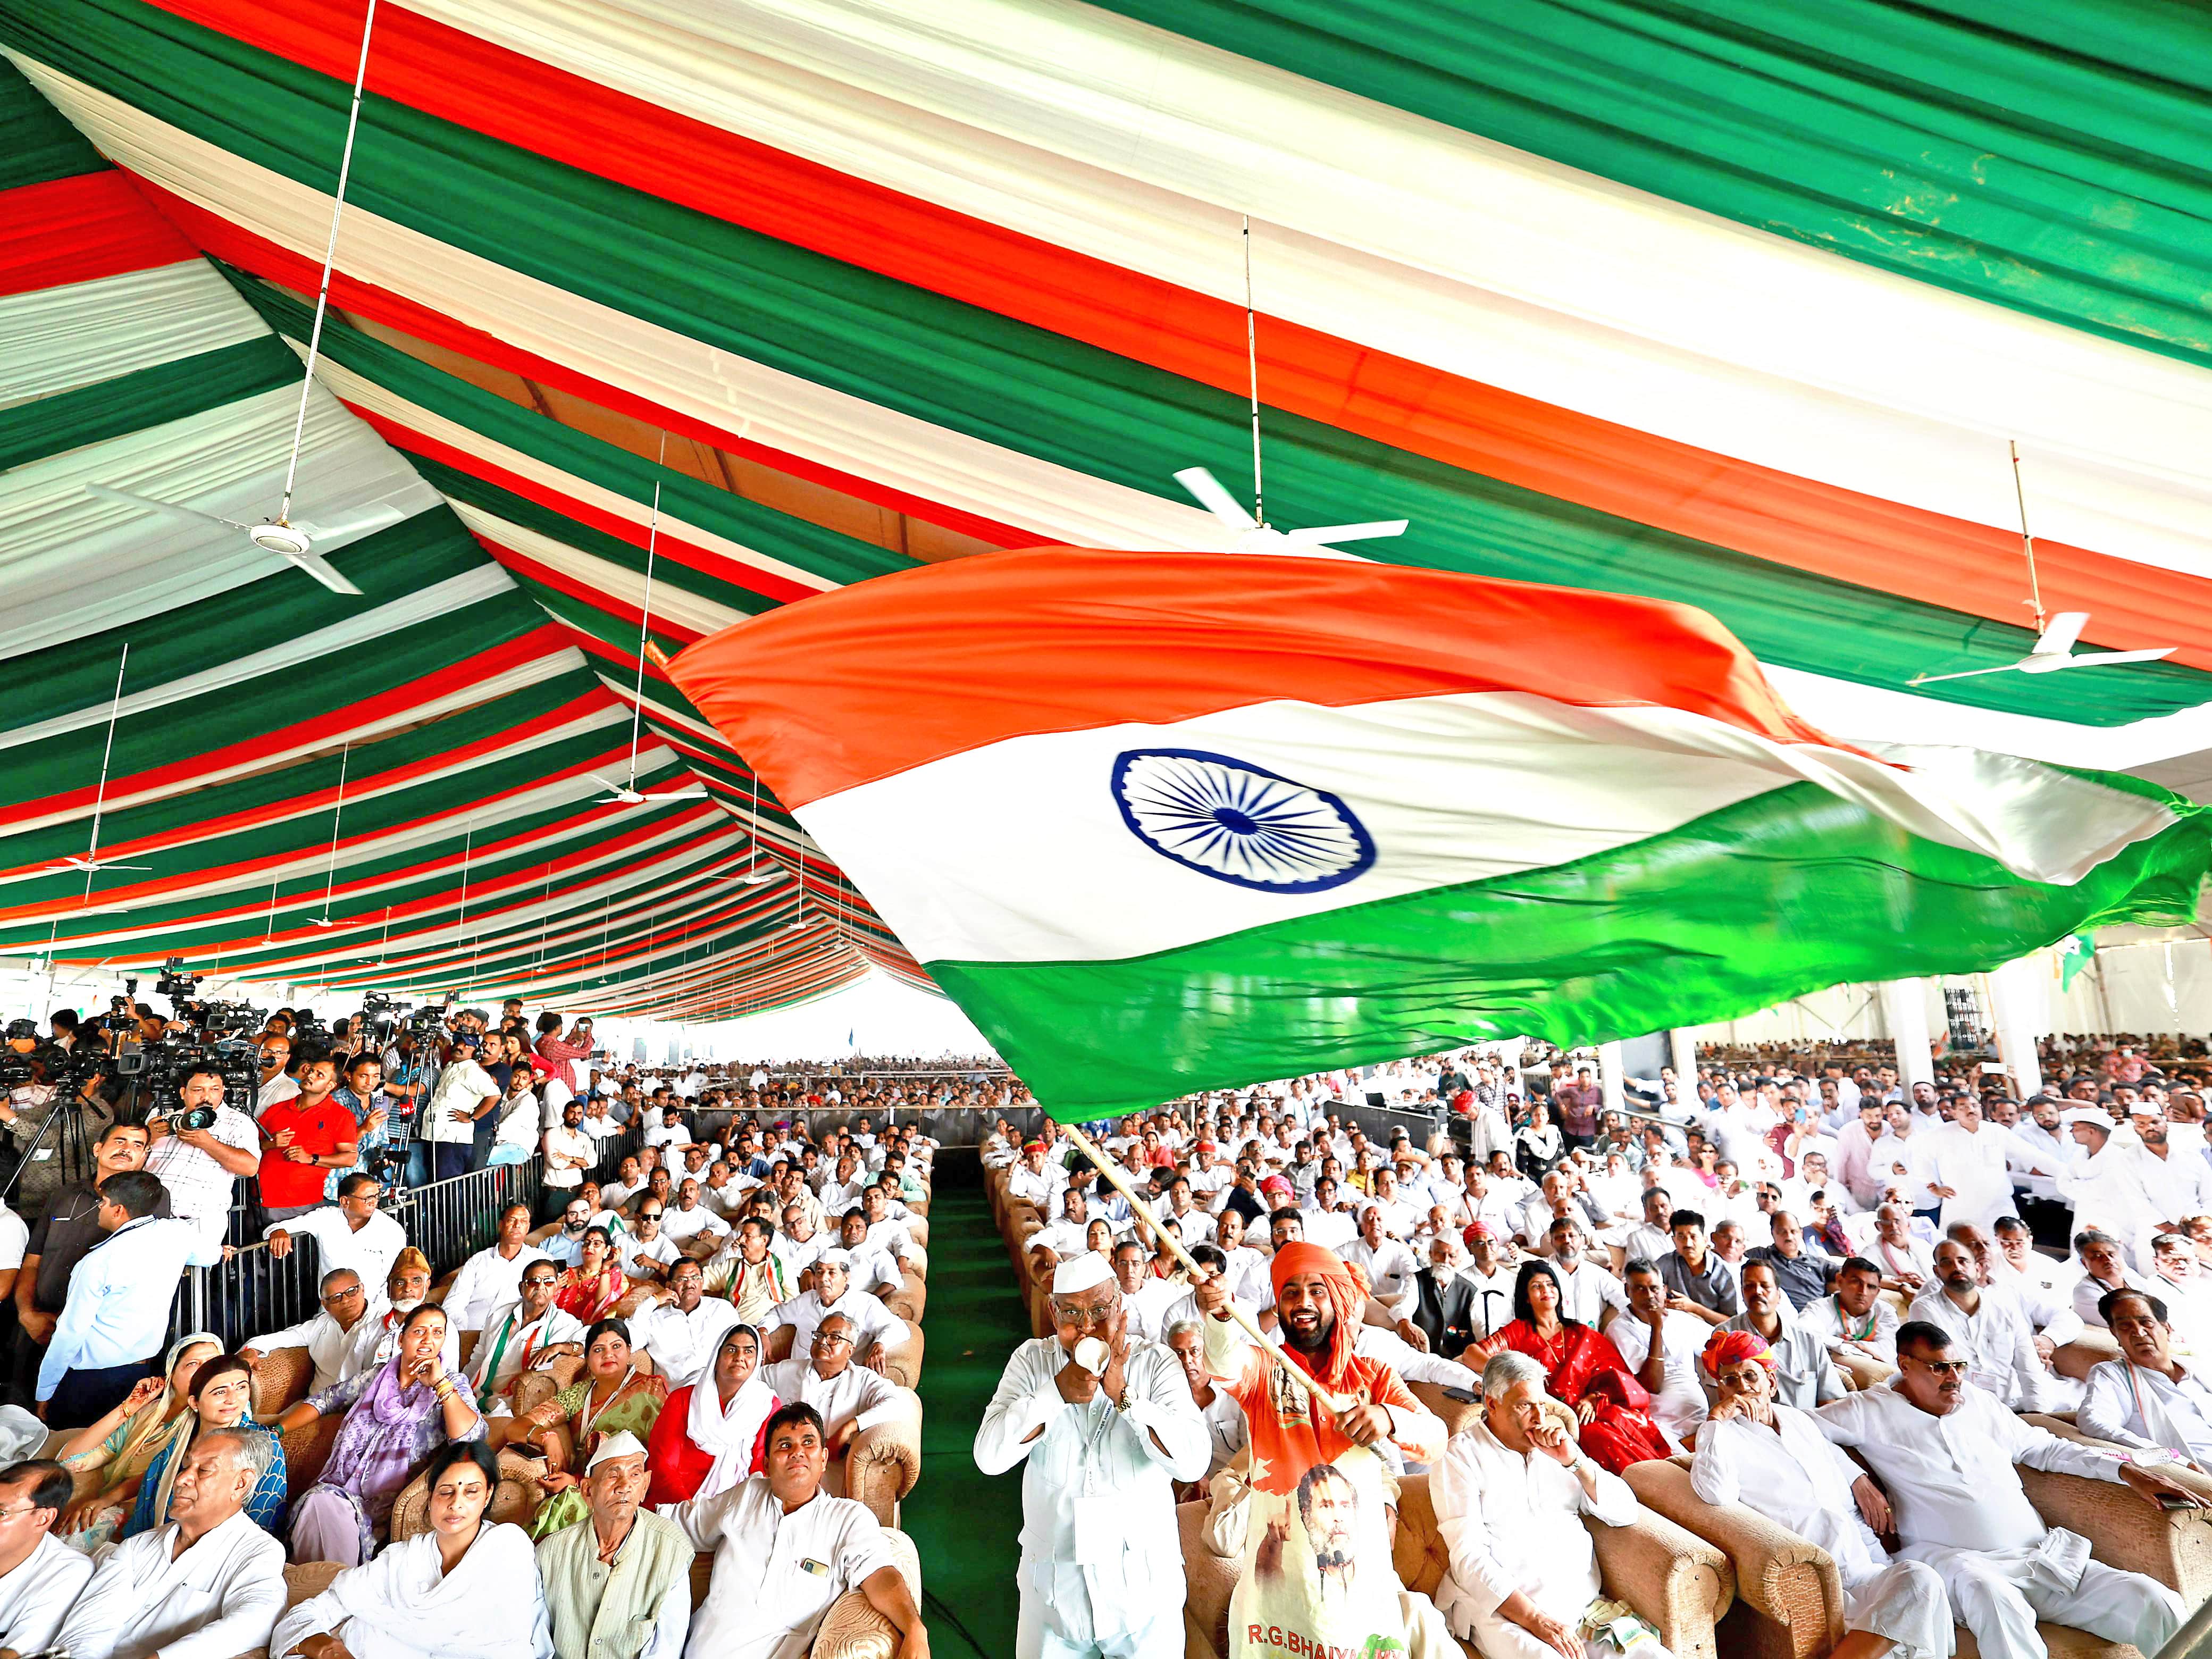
point(255, 1292)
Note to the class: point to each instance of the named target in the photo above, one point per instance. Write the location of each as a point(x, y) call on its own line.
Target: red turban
point(1347, 1293)
point(1730, 1347)
point(1475, 1229)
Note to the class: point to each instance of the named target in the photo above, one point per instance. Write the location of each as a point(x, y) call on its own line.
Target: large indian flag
point(1166, 821)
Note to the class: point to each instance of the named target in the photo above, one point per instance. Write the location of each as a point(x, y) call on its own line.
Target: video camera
point(381, 1017)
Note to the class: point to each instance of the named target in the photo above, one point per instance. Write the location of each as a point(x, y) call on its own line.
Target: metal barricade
point(250, 1295)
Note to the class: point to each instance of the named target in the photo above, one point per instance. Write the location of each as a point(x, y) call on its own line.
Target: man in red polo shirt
point(309, 1135)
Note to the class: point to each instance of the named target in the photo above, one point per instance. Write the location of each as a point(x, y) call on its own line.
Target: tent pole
point(1120, 1183)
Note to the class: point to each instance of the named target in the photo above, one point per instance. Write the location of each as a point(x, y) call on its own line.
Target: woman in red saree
point(591, 1288)
point(1582, 1369)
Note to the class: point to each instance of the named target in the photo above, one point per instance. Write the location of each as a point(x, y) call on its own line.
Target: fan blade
point(1326, 533)
point(1214, 499)
point(2095, 659)
point(319, 568)
point(608, 783)
point(2060, 633)
point(1969, 673)
point(149, 504)
point(379, 517)
point(680, 794)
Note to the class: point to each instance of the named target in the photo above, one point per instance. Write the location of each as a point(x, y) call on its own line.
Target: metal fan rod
point(329, 260)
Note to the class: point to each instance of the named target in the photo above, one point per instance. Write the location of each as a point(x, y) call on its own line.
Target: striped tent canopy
point(1730, 304)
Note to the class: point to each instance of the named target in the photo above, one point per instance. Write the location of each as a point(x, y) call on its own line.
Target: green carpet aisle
point(965, 1526)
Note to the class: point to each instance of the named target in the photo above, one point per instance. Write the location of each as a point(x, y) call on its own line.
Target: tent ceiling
point(852, 292)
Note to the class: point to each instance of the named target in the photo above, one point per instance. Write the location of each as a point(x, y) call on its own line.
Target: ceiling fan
point(293, 542)
point(630, 795)
point(74, 862)
point(2053, 649)
point(1256, 536)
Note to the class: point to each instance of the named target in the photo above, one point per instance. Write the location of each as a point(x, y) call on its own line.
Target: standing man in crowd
point(1101, 1566)
point(309, 1137)
point(63, 1228)
point(466, 1092)
point(117, 1311)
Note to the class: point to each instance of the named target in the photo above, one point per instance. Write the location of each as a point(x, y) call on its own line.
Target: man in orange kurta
point(1318, 1301)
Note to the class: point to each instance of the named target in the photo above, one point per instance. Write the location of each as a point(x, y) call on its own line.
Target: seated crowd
point(1812, 1290)
point(661, 1387)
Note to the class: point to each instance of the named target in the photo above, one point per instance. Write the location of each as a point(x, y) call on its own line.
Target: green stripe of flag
point(1782, 894)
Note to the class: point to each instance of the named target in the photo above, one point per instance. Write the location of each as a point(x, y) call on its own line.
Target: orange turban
point(1728, 1347)
point(1347, 1293)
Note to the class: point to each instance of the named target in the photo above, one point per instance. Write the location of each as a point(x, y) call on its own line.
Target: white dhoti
point(1904, 1601)
point(1130, 1610)
point(1999, 1594)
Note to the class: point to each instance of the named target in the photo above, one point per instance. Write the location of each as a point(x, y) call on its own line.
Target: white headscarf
point(728, 1432)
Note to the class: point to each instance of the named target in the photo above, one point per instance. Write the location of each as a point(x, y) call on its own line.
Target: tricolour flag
point(1165, 821)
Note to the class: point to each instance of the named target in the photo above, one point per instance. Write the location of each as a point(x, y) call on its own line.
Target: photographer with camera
point(466, 1092)
point(200, 1150)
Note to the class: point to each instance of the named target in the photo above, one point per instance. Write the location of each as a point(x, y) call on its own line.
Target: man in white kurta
point(207, 1584)
point(2147, 1399)
point(1510, 1492)
point(41, 1576)
point(492, 1277)
point(1678, 1399)
point(1987, 1323)
point(1969, 1166)
point(1101, 1572)
point(1946, 1451)
point(849, 1397)
point(876, 1329)
point(683, 1332)
point(1773, 1459)
point(526, 1334)
point(343, 1337)
point(785, 1551)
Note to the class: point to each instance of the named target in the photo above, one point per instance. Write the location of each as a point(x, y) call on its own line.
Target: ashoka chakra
point(1239, 823)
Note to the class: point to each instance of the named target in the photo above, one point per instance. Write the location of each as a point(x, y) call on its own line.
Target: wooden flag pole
point(1120, 1183)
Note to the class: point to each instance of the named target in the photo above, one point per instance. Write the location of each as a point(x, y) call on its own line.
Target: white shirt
point(1975, 1165)
point(873, 1322)
point(339, 1354)
point(220, 1598)
point(487, 1282)
point(563, 1141)
point(682, 1226)
point(1998, 1337)
point(37, 1591)
point(629, 1249)
point(517, 1342)
point(2132, 1406)
point(1392, 1273)
point(1678, 1404)
point(119, 1292)
point(368, 1252)
point(1951, 1480)
point(856, 1394)
point(1332, 1230)
point(1588, 1291)
point(403, 1605)
point(683, 1346)
point(763, 1602)
point(462, 1087)
point(1512, 1521)
point(199, 1188)
point(1874, 1337)
point(1105, 1462)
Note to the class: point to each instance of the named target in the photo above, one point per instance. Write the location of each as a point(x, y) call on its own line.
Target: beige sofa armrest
point(853, 1629)
point(884, 1461)
point(2122, 1530)
point(2091, 1347)
point(1788, 1580)
point(902, 1363)
point(1675, 1579)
